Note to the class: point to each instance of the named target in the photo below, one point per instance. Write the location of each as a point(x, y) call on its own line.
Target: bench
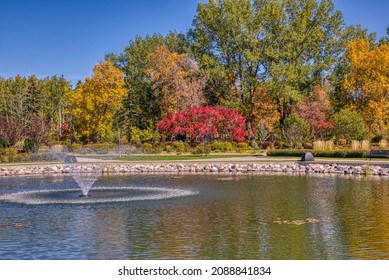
point(378, 154)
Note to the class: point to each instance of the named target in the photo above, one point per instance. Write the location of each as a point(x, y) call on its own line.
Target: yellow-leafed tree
point(263, 111)
point(368, 83)
point(95, 102)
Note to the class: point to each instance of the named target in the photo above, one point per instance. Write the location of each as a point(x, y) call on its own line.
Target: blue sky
point(68, 37)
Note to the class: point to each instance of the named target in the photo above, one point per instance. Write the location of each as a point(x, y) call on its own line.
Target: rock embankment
point(232, 168)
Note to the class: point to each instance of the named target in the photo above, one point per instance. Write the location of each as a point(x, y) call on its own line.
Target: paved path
point(91, 160)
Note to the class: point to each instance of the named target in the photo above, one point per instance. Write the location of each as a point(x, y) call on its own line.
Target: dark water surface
point(228, 217)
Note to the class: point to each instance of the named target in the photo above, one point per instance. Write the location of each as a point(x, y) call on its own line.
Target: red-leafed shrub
point(205, 124)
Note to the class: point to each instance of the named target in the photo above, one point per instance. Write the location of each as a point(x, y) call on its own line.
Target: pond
point(207, 217)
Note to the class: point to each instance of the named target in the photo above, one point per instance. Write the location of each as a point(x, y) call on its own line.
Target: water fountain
point(86, 176)
point(90, 190)
point(99, 194)
point(85, 183)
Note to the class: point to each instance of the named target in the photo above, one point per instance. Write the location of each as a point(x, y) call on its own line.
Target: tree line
point(291, 68)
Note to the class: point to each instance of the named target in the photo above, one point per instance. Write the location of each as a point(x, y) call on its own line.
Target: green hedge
point(320, 153)
point(179, 147)
point(8, 152)
point(201, 150)
point(222, 146)
point(169, 149)
point(35, 157)
point(75, 147)
point(242, 146)
point(147, 148)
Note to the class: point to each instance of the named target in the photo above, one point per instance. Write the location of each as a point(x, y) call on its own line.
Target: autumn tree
point(315, 111)
point(367, 83)
point(140, 107)
point(203, 124)
point(176, 80)
point(95, 102)
point(339, 97)
point(11, 132)
point(264, 114)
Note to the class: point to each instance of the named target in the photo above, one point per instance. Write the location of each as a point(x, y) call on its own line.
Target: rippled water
point(225, 217)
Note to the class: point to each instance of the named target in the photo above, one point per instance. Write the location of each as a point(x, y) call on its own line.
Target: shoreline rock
point(195, 168)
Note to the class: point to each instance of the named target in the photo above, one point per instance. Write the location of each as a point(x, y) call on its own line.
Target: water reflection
point(230, 218)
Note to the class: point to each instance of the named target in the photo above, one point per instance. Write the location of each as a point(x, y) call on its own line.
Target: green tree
point(13, 110)
point(13, 99)
point(349, 125)
point(385, 39)
point(296, 130)
point(285, 45)
point(34, 96)
point(56, 109)
point(34, 107)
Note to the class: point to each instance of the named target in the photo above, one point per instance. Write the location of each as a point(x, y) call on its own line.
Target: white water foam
point(70, 196)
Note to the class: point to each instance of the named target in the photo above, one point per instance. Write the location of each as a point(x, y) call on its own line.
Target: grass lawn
point(331, 159)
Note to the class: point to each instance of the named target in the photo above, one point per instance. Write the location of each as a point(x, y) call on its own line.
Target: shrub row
point(201, 150)
point(31, 157)
point(225, 146)
point(103, 148)
point(181, 147)
point(222, 146)
point(50, 153)
point(320, 153)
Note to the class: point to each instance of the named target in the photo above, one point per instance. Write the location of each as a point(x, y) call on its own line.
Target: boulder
point(69, 159)
point(307, 157)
